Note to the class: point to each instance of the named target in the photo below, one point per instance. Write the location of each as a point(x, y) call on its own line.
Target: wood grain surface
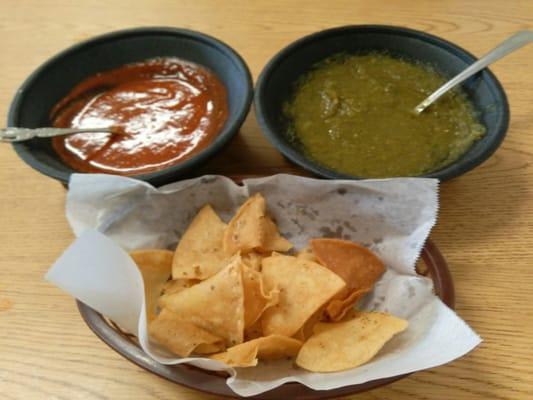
point(485, 228)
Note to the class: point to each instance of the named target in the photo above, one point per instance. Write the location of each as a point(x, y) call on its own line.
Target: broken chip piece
point(183, 337)
point(215, 304)
point(155, 266)
point(252, 229)
point(343, 345)
point(199, 254)
point(355, 264)
point(247, 354)
point(304, 287)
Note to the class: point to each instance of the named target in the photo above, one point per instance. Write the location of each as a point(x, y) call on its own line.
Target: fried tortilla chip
point(253, 260)
point(306, 330)
point(343, 345)
point(199, 254)
point(355, 264)
point(255, 331)
point(251, 229)
point(256, 300)
point(175, 286)
point(304, 287)
point(215, 304)
point(273, 241)
point(337, 309)
point(271, 347)
point(183, 337)
point(155, 266)
point(210, 348)
point(306, 254)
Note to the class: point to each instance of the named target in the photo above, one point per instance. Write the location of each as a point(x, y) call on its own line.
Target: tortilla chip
point(244, 232)
point(209, 348)
point(175, 286)
point(182, 337)
point(355, 264)
point(343, 345)
point(256, 300)
point(271, 347)
point(251, 229)
point(273, 240)
point(253, 332)
point(337, 309)
point(253, 260)
point(304, 287)
point(306, 330)
point(199, 254)
point(306, 254)
point(155, 266)
point(215, 304)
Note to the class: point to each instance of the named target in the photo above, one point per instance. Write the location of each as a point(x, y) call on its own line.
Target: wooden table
point(485, 226)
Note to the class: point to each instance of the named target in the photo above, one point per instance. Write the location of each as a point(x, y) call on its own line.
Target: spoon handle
point(513, 43)
point(11, 135)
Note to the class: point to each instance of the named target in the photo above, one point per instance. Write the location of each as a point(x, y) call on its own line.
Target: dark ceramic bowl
point(55, 78)
point(277, 80)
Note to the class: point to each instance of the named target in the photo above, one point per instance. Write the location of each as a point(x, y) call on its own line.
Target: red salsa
point(168, 108)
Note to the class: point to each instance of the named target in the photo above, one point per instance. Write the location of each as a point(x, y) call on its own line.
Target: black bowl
point(54, 79)
point(277, 79)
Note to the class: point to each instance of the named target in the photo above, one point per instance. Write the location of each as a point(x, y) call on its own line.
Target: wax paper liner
point(393, 217)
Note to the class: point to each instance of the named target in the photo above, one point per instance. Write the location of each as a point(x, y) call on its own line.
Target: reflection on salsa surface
point(168, 108)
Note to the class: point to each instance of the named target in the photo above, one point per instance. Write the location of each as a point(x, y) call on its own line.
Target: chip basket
point(431, 264)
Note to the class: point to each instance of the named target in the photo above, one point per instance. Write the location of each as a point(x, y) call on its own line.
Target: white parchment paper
point(111, 215)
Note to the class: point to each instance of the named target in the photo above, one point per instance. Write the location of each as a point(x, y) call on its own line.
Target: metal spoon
point(516, 41)
point(11, 135)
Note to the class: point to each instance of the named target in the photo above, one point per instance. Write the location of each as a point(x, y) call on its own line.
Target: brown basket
point(433, 265)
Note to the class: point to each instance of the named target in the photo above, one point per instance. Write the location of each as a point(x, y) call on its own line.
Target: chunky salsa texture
point(354, 115)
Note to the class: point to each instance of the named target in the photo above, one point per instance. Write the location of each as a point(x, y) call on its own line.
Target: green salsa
point(354, 115)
